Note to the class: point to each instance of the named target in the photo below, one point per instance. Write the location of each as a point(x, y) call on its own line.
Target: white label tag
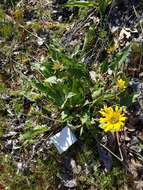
point(64, 139)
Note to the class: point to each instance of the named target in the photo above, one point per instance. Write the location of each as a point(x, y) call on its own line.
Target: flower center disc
point(114, 119)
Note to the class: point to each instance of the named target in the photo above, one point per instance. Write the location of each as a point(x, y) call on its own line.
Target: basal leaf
point(120, 58)
point(51, 80)
point(31, 133)
point(81, 4)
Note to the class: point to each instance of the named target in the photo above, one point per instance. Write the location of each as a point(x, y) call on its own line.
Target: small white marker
point(63, 140)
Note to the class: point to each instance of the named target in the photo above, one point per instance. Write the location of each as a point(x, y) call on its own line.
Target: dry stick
point(29, 32)
point(112, 5)
point(141, 157)
point(83, 22)
point(28, 182)
point(101, 49)
point(137, 15)
point(120, 159)
point(19, 72)
point(32, 34)
point(55, 120)
point(91, 50)
point(31, 56)
point(119, 145)
point(79, 26)
point(105, 41)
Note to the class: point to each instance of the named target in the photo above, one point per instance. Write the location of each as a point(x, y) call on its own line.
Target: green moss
point(43, 175)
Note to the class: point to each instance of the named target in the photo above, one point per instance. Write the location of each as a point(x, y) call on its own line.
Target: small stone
point(70, 183)
point(40, 41)
point(92, 188)
point(77, 170)
point(19, 167)
point(67, 180)
point(92, 75)
point(109, 71)
point(140, 136)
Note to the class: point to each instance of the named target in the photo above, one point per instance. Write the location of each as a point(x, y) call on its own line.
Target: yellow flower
point(112, 48)
point(120, 84)
point(112, 119)
point(58, 66)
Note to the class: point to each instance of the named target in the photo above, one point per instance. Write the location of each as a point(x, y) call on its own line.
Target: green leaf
point(81, 130)
point(81, 4)
point(33, 132)
point(3, 87)
point(39, 86)
point(89, 38)
point(126, 100)
point(97, 93)
point(64, 115)
point(51, 80)
point(2, 14)
point(120, 58)
point(104, 67)
point(6, 29)
point(84, 118)
point(67, 97)
point(31, 95)
point(103, 4)
point(135, 96)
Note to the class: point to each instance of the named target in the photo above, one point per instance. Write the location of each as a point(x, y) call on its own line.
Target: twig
point(21, 26)
point(141, 157)
point(119, 145)
point(120, 159)
point(80, 25)
point(137, 15)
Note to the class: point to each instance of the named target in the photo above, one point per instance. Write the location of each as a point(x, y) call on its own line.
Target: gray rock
point(67, 180)
point(76, 169)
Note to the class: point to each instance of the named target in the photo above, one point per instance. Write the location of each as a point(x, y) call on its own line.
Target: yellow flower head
point(121, 84)
point(58, 66)
point(112, 119)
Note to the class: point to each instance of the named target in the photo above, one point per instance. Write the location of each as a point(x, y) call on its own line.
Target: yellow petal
point(102, 120)
point(116, 108)
point(103, 113)
point(123, 118)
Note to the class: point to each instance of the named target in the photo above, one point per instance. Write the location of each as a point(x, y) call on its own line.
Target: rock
point(68, 168)
point(136, 85)
point(92, 188)
point(67, 181)
point(75, 168)
point(19, 167)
